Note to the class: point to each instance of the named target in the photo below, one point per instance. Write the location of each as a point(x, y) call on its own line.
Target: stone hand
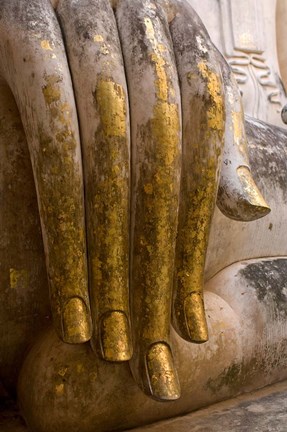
point(154, 100)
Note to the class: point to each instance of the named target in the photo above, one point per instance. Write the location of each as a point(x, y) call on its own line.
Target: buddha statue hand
point(135, 92)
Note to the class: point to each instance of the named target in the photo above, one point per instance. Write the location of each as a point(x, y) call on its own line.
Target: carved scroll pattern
point(253, 66)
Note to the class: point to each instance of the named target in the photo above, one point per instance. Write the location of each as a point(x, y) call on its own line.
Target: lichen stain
point(228, 378)
point(269, 280)
point(238, 375)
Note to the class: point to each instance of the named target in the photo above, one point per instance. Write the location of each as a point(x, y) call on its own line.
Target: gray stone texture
point(264, 411)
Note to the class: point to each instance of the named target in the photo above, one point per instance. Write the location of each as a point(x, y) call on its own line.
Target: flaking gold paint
point(156, 216)
point(194, 310)
point(252, 196)
point(239, 133)
point(115, 336)
point(80, 368)
point(166, 118)
point(18, 278)
point(237, 125)
point(161, 78)
point(75, 320)
point(162, 376)
point(148, 188)
point(60, 189)
point(157, 191)
point(215, 110)
point(59, 389)
point(199, 212)
point(51, 90)
point(235, 114)
point(111, 103)
point(158, 61)
point(108, 198)
point(62, 371)
point(45, 44)
point(105, 49)
point(198, 189)
point(98, 38)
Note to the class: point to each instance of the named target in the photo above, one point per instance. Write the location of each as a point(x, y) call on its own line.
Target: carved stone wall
point(281, 19)
point(245, 33)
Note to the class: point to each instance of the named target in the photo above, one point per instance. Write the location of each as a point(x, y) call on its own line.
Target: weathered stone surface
point(261, 411)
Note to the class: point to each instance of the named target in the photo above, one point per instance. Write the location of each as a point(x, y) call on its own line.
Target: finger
point(203, 127)
point(156, 147)
point(96, 62)
point(35, 67)
point(238, 195)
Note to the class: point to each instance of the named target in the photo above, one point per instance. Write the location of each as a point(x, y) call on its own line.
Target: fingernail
point(255, 205)
point(195, 318)
point(76, 323)
point(116, 343)
point(163, 380)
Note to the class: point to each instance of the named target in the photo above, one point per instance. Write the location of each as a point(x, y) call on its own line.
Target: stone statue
point(246, 34)
point(129, 111)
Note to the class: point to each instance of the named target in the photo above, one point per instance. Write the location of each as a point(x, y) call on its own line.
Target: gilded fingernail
point(162, 375)
point(195, 318)
point(76, 323)
point(115, 337)
point(254, 202)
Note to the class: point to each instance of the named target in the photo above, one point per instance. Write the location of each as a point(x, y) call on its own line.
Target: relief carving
point(244, 42)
